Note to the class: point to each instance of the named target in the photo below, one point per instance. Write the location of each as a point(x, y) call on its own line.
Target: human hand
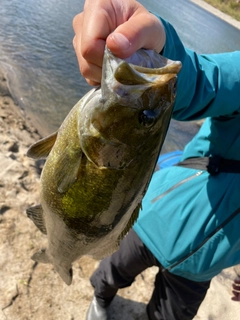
point(124, 25)
point(236, 290)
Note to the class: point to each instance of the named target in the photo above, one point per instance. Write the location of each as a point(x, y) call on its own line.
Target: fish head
point(129, 115)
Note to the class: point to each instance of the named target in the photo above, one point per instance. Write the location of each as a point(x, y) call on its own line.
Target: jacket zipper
point(233, 215)
point(195, 175)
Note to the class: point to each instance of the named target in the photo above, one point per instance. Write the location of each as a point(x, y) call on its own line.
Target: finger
point(129, 37)
point(236, 293)
point(89, 39)
point(77, 22)
point(93, 35)
point(236, 289)
point(92, 83)
point(237, 281)
point(89, 46)
point(236, 297)
point(92, 73)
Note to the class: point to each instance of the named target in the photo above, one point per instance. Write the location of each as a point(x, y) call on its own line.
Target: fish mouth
point(129, 74)
point(141, 68)
point(128, 80)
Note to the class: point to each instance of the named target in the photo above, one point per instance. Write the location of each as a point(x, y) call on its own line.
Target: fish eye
point(147, 118)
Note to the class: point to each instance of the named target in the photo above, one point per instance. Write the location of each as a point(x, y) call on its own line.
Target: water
point(198, 28)
point(36, 52)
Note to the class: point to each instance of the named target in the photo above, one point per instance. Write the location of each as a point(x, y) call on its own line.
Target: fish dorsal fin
point(42, 148)
point(36, 215)
point(67, 171)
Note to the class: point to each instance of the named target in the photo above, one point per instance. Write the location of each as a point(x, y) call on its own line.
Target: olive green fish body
point(101, 160)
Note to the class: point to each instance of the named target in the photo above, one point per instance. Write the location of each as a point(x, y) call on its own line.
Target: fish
point(100, 161)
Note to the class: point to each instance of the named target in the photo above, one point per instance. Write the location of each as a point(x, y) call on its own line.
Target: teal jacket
point(190, 220)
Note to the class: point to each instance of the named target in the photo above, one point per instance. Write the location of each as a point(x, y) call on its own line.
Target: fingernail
point(120, 40)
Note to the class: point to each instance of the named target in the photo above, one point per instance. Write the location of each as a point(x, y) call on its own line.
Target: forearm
point(208, 85)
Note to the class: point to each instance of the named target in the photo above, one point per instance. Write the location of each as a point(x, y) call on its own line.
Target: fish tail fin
point(65, 273)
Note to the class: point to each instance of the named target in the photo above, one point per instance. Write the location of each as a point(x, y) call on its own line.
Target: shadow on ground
point(132, 309)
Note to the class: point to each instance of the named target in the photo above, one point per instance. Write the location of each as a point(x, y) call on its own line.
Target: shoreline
point(201, 3)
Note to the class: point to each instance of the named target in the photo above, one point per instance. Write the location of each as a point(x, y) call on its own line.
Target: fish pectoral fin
point(65, 273)
point(42, 148)
point(67, 171)
point(35, 213)
point(41, 256)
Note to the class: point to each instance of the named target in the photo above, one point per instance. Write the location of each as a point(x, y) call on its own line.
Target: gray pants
point(173, 298)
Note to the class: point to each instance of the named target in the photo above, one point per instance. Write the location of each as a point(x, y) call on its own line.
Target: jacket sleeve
point(208, 84)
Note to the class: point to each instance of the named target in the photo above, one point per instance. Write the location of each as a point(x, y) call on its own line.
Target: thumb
point(140, 31)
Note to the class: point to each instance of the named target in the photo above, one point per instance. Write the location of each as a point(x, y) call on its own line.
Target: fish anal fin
point(41, 256)
point(35, 213)
point(42, 148)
